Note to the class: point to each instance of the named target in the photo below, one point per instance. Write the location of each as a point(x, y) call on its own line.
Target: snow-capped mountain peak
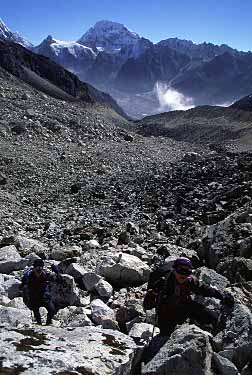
point(60, 46)
point(7, 34)
point(109, 36)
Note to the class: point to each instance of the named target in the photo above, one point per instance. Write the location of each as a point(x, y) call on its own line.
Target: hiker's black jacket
point(170, 292)
point(36, 288)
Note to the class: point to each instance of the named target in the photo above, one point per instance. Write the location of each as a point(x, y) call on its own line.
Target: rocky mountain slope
point(203, 125)
point(49, 77)
point(106, 205)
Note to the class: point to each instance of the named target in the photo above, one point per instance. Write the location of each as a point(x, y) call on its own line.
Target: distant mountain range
point(51, 78)
point(119, 61)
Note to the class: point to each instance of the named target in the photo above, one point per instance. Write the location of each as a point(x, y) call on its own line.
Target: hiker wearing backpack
point(36, 290)
point(171, 296)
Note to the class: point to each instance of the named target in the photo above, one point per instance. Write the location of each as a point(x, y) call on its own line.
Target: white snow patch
point(170, 99)
point(73, 47)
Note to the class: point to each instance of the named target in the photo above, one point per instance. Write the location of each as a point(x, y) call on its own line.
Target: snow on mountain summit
point(61, 47)
point(72, 55)
point(7, 34)
point(109, 36)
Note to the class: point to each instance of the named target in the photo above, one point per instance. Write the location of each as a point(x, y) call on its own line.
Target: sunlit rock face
point(53, 350)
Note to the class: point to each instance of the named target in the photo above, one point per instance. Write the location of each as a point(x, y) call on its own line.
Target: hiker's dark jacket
point(170, 292)
point(36, 289)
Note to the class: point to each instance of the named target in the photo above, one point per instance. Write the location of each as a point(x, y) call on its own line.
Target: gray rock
point(191, 157)
point(31, 112)
point(51, 350)
point(142, 331)
point(224, 366)
point(73, 316)
point(65, 292)
point(90, 279)
point(28, 245)
point(236, 269)
point(123, 269)
point(211, 249)
point(236, 339)
point(99, 309)
point(4, 300)
point(18, 303)
point(211, 277)
point(75, 270)
point(12, 288)
point(66, 252)
point(91, 244)
point(245, 247)
point(104, 289)
point(187, 351)
point(177, 251)
point(10, 259)
point(14, 317)
point(108, 323)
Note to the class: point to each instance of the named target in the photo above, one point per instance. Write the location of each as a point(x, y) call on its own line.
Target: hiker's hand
point(228, 299)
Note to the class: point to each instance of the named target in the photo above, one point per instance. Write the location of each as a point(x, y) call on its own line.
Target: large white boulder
point(18, 303)
point(29, 245)
point(64, 252)
point(82, 350)
point(14, 317)
point(10, 259)
point(73, 316)
point(123, 269)
point(12, 288)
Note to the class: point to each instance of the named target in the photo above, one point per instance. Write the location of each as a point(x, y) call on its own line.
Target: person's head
point(183, 269)
point(38, 265)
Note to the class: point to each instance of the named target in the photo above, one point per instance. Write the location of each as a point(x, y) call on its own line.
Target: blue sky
point(216, 21)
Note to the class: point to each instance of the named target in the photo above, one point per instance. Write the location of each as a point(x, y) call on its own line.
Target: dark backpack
point(158, 277)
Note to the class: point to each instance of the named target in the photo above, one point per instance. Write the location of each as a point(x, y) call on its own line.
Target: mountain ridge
point(50, 77)
point(128, 67)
